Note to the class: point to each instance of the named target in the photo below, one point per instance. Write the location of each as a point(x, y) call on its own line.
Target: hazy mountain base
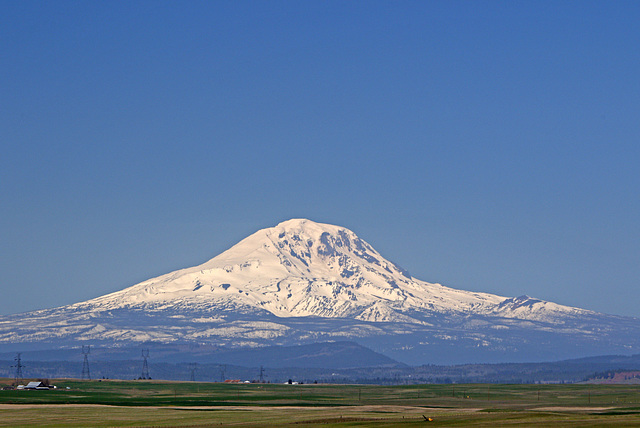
point(569, 371)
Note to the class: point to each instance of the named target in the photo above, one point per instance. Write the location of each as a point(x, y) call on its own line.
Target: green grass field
point(188, 404)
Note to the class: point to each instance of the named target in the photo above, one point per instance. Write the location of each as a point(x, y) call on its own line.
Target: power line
point(223, 370)
point(19, 368)
point(145, 365)
point(192, 369)
point(86, 373)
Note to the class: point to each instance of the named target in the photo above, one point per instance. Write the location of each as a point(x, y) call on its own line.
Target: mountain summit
point(302, 282)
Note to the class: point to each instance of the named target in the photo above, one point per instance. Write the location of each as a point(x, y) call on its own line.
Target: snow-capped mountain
point(300, 282)
point(298, 269)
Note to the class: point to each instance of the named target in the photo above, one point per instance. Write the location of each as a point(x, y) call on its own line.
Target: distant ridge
point(600, 369)
point(336, 355)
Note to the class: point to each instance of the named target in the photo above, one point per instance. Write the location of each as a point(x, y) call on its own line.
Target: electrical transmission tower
point(223, 370)
point(19, 368)
point(261, 374)
point(192, 369)
point(145, 365)
point(86, 373)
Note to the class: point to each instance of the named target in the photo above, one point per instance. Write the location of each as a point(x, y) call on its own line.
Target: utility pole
point(192, 369)
point(223, 370)
point(86, 374)
point(19, 368)
point(145, 365)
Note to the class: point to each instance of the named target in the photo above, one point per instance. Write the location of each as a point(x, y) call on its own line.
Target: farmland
point(193, 404)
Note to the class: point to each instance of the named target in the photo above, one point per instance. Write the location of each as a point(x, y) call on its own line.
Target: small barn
point(36, 385)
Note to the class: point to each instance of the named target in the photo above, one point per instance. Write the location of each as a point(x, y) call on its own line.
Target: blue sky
point(489, 146)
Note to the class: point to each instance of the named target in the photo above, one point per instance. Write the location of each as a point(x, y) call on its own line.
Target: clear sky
point(489, 146)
